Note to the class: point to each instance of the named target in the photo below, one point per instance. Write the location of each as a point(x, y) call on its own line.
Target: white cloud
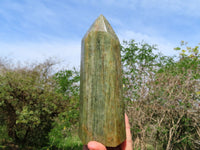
point(67, 53)
point(163, 45)
point(33, 18)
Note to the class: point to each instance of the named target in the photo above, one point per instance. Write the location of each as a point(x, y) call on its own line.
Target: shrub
point(29, 103)
point(65, 125)
point(162, 94)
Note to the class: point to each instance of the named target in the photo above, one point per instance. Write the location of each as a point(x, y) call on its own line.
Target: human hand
point(126, 145)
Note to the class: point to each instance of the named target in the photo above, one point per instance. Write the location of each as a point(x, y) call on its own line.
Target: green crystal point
point(101, 99)
point(102, 24)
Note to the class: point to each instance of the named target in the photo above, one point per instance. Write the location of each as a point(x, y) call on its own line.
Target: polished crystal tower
point(101, 100)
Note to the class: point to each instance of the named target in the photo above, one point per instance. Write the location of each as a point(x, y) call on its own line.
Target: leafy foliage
point(68, 82)
point(66, 122)
point(162, 93)
point(162, 96)
point(29, 103)
point(140, 62)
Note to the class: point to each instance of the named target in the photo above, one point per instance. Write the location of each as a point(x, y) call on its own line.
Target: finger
point(127, 144)
point(128, 129)
point(93, 145)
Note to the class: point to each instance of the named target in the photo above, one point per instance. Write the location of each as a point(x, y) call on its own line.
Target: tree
point(67, 84)
point(29, 103)
point(162, 96)
point(140, 63)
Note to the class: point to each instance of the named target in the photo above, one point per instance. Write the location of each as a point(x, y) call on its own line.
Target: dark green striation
point(101, 103)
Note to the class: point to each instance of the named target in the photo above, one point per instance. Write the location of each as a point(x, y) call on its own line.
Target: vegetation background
point(39, 108)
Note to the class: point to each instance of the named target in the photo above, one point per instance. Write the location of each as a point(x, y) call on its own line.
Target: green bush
point(29, 103)
point(65, 125)
point(40, 110)
point(162, 96)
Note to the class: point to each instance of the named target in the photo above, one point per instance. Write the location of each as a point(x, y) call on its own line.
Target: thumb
point(93, 145)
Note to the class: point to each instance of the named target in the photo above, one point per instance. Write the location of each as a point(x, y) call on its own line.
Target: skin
point(126, 145)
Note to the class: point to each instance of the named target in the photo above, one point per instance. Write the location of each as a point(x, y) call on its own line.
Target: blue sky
point(33, 30)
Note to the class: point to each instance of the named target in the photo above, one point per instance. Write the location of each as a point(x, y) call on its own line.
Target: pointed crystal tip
point(102, 24)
